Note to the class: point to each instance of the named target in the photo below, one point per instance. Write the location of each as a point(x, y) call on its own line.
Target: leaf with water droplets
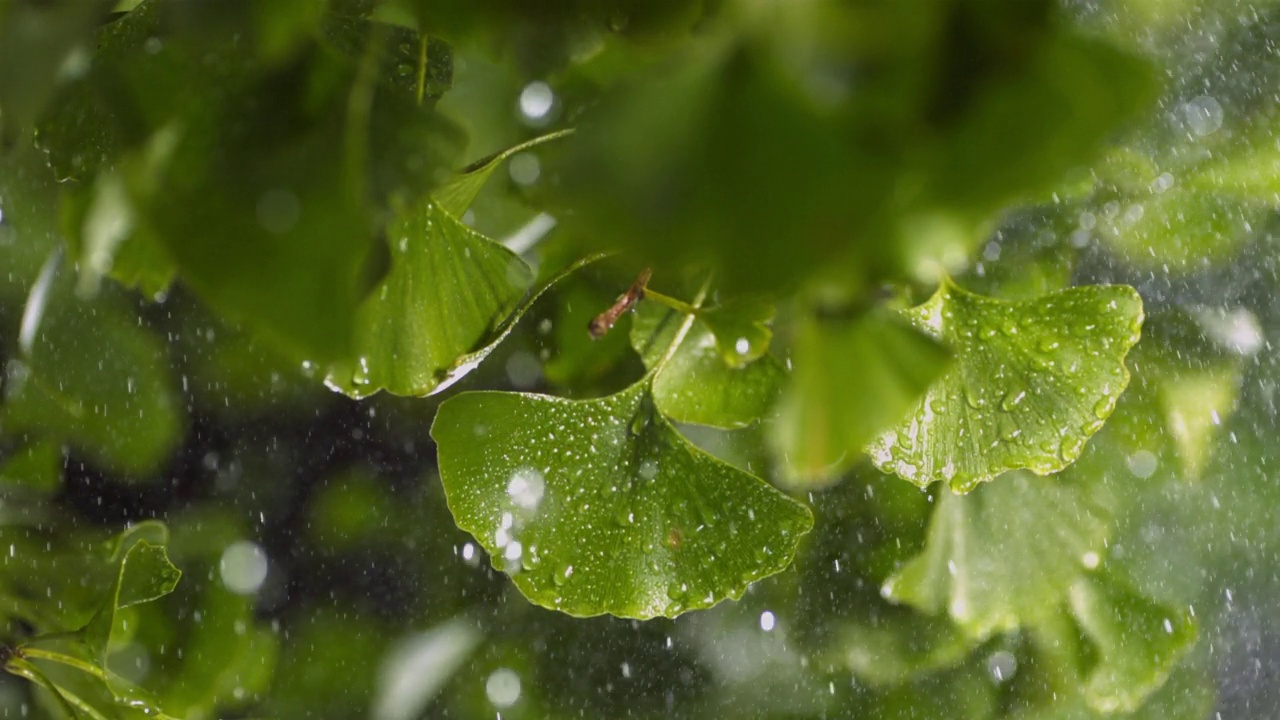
point(852, 378)
point(1033, 380)
point(447, 293)
point(696, 385)
point(1139, 642)
point(1003, 555)
point(601, 506)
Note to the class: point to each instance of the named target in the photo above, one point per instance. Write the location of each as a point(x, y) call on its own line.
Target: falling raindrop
point(502, 688)
point(243, 567)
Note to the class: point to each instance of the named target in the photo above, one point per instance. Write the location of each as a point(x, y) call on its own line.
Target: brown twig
point(602, 323)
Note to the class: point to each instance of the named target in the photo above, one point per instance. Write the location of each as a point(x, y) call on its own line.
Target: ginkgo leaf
point(1032, 381)
point(448, 290)
point(601, 506)
point(456, 194)
point(852, 379)
point(1139, 642)
point(696, 385)
point(1003, 555)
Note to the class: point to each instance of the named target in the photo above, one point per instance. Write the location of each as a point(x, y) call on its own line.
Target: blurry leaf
point(1002, 556)
point(1023, 132)
point(37, 466)
point(103, 227)
point(419, 665)
point(40, 44)
point(579, 364)
point(315, 674)
point(899, 647)
point(852, 379)
point(1195, 403)
point(682, 166)
point(1139, 642)
point(228, 657)
point(448, 291)
point(1179, 227)
point(1033, 380)
point(695, 385)
point(413, 64)
point(96, 379)
point(600, 506)
point(456, 194)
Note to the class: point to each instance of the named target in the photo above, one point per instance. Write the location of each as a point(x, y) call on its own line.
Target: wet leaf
point(1195, 403)
point(456, 194)
point(1179, 227)
point(448, 291)
point(601, 506)
point(898, 648)
point(696, 385)
point(1032, 381)
point(1139, 642)
point(852, 379)
point(143, 574)
point(1002, 556)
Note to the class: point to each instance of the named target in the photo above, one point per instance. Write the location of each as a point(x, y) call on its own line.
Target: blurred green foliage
point(210, 211)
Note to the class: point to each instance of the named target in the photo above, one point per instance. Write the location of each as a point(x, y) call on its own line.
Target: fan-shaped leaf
point(1139, 642)
point(1033, 380)
point(1003, 555)
point(852, 379)
point(449, 288)
point(696, 385)
point(601, 506)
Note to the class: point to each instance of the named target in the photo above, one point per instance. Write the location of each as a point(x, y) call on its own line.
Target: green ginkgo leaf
point(456, 194)
point(1139, 642)
point(601, 506)
point(1002, 556)
point(696, 385)
point(853, 378)
point(1032, 382)
point(448, 291)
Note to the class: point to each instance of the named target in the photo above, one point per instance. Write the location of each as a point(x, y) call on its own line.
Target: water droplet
point(502, 688)
point(1012, 399)
point(1142, 464)
point(1103, 408)
point(1001, 666)
point(1202, 115)
point(526, 488)
point(536, 101)
point(767, 621)
point(648, 469)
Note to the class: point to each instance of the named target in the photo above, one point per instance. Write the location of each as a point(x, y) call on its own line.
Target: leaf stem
point(23, 669)
point(423, 42)
point(673, 303)
point(684, 329)
point(63, 659)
